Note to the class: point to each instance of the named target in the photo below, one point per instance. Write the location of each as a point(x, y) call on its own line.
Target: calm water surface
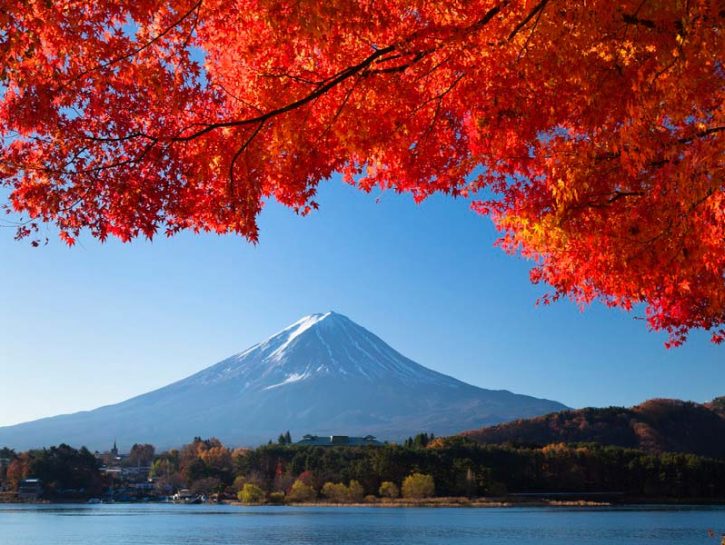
point(204, 524)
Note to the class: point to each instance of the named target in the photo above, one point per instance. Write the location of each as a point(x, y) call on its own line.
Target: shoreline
point(450, 502)
point(481, 503)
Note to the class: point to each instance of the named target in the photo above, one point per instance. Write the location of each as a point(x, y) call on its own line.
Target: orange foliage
point(595, 126)
point(18, 470)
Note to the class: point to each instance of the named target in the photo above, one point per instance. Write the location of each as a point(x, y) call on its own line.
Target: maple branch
point(608, 156)
point(701, 134)
point(362, 67)
point(298, 79)
point(238, 153)
point(420, 55)
point(345, 74)
point(490, 14)
point(615, 196)
point(623, 194)
point(340, 108)
point(634, 20)
point(109, 139)
point(334, 81)
point(193, 28)
point(235, 97)
point(537, 8)
point(434, 68)
point(131, 160)
point(525, 47)
point(439, 103)
point(138, 50)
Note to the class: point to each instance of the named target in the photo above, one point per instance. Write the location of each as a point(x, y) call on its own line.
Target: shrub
point(336, 492)
point(355, 491)
point(239, 483)
point(276, 498)
point(389, 490)
point(301, 492)
point(340, 493)
point(418, 485)
point(251, 493)
point(496, 488)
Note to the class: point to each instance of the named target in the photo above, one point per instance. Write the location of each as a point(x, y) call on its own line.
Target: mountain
point(657, 425)
point(323, 374)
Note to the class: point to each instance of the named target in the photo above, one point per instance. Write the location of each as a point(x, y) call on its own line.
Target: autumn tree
point(418, 485)
point(17, 470)
point(141, 455)
point(388, 489)
point(336, 492)
point(251, 493)
point(590, 132)
point(301, 492)
point(339, 492)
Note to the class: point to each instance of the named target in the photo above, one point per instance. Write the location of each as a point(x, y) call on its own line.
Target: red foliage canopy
point(597, 125)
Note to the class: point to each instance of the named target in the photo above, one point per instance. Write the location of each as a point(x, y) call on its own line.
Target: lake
point(162, 524)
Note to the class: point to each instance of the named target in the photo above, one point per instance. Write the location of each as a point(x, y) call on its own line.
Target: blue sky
point(95, 324)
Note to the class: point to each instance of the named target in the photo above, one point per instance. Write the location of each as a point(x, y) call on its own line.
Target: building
point(30, 489)
point(111, 458)
point(339, 441)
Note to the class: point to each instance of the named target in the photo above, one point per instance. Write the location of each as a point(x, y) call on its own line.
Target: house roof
point(338, 441)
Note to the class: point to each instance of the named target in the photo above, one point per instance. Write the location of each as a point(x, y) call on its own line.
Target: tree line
point(441, 467)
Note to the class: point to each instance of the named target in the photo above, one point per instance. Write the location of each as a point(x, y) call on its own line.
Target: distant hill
point(657, 425)
point(324, 374)
point(717, 405)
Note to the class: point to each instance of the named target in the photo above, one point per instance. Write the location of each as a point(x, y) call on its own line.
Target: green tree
point(66, 471)
point(284, 438)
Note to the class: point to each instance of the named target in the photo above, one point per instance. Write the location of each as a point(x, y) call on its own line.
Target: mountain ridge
point(656, 425)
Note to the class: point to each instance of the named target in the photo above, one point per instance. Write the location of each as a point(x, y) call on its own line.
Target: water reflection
point(158, 524)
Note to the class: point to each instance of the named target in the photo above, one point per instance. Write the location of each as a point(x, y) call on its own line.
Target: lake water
point(161, 524)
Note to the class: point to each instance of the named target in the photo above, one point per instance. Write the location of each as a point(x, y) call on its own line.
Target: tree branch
point(537, 8)
point(138, 50)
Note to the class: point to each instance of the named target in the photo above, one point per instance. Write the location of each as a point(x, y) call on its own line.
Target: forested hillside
point(657, 425)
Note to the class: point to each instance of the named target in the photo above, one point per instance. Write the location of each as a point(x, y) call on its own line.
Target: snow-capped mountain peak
point(323, 374)
point(319, 345)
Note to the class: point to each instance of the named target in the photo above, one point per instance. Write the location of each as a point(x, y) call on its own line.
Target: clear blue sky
point(96, 324)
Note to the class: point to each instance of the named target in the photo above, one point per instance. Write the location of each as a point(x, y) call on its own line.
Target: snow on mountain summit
point(323, 344)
